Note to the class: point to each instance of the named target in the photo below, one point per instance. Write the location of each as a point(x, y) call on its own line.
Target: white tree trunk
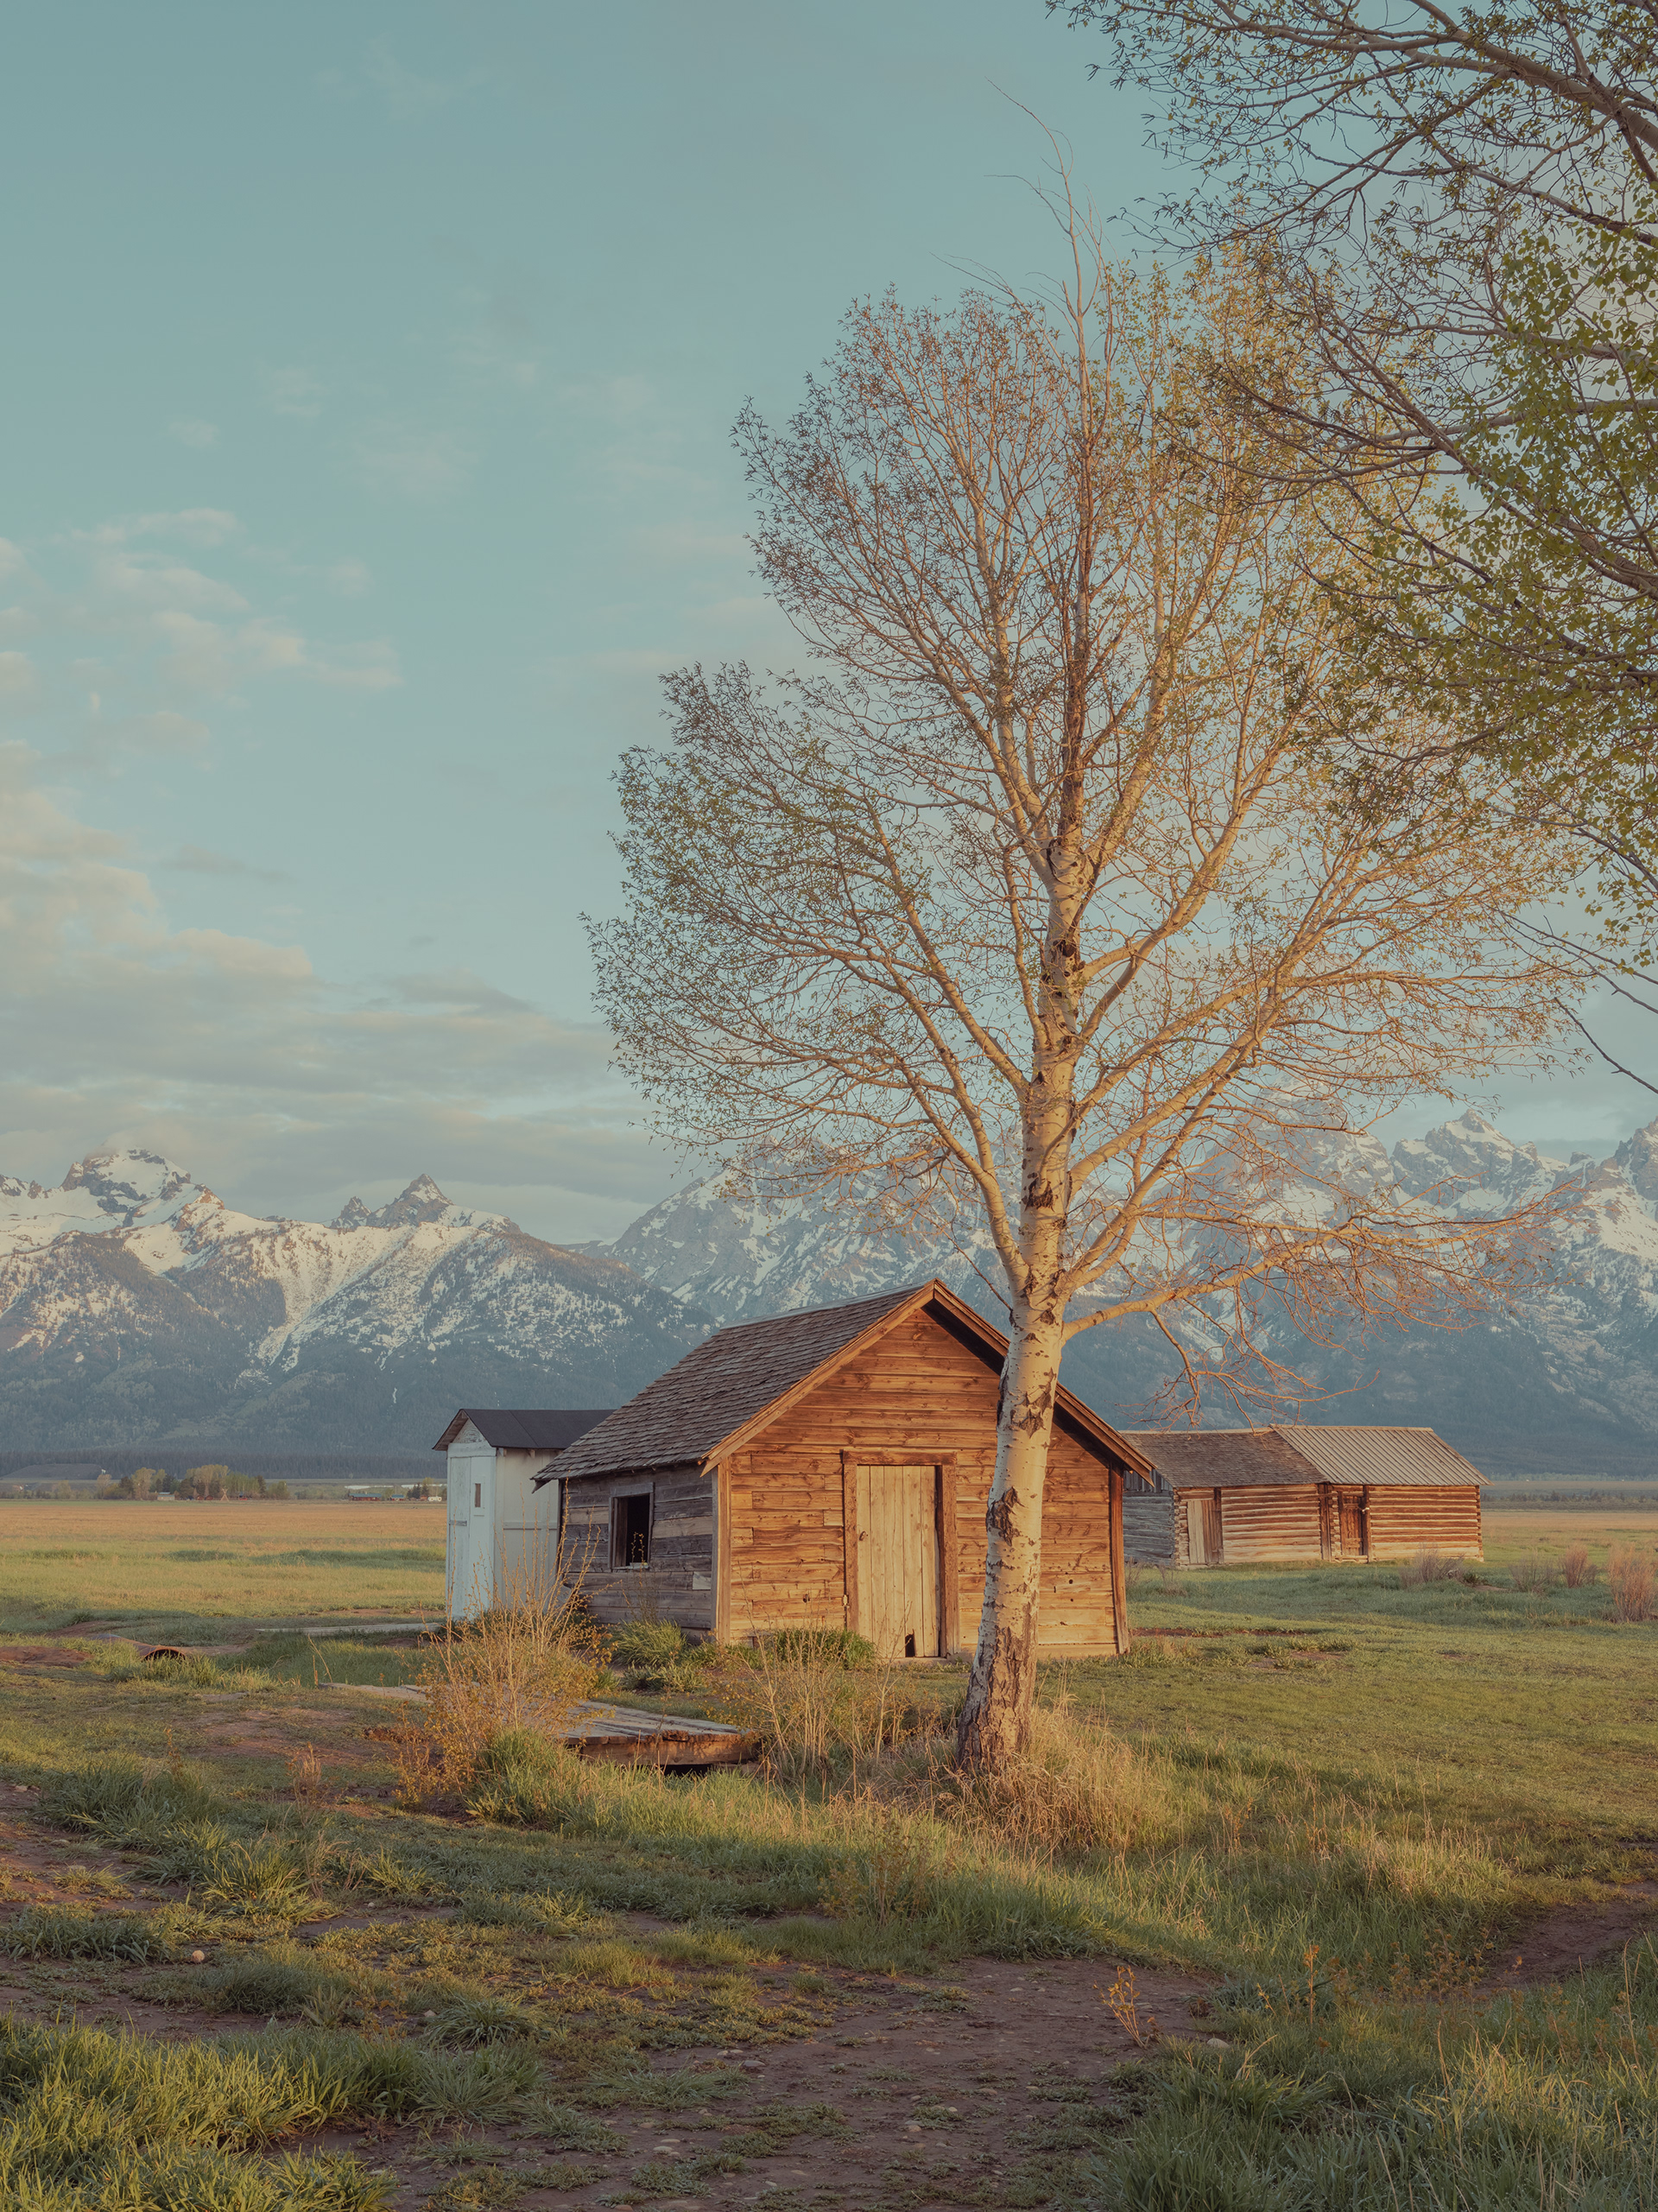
point(995, 1719)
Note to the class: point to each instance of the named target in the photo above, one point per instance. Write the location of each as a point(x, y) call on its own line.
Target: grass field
point(1311, 1832)
point(167, 1570)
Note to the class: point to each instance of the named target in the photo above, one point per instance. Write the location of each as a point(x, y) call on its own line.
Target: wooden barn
point(831, 1469)
point(503, 1538)
point(1225, 1496)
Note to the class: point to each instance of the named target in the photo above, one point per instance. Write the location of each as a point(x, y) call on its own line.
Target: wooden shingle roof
point(737, 1383)
point(1303, 1452)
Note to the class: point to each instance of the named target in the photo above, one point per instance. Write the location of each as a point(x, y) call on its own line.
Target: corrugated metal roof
point(524, 1429)
point(1301, 1452)
point(1382, 1456)
point(738, 1380)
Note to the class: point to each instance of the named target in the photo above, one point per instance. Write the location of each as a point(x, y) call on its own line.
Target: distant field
point(1512, 1529)
point(175, 1567)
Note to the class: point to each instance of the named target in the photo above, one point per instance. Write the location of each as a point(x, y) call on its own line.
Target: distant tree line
point(39, 1469)
point(213, 1481)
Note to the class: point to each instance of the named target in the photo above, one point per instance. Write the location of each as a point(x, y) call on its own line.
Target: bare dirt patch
point(1575, 1936)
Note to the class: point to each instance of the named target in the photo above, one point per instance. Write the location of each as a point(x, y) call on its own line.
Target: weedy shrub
point(274, 1984)
point(519, 1670)
point(1429, 1566)
point(890, 1880)
point(51, 1932)
point(648, 1646)
point(1532, 1575)
point(522, 1780)
point(1577, 1569)
point(553, 1912)
point(469, 2022)
point(1073, 1791)
point(1631, 1577)
point(818, 1710)
point(267, 1878)
point(126, 1802)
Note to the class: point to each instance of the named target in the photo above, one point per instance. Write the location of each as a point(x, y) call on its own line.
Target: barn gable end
point(860, 1434)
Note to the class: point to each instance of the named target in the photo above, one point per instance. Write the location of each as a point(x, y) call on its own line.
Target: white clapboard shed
point(502, 1529)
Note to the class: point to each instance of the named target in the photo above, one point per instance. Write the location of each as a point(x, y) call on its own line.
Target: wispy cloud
point(413, 462)
point(129, 633)
point(192, 432)
point(234, 1055)
point(197, 860)
point(295, 392)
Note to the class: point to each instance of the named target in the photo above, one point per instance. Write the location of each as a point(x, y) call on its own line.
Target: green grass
point(1339, 1823)
point(193, 1573)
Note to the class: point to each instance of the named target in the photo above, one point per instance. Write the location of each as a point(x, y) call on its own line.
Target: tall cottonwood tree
point(1464, 207)
point(1032, 891)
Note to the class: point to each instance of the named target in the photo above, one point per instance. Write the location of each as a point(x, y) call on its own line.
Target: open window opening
point(630, 1531)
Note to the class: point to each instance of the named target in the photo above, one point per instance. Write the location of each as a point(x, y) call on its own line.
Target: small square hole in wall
point(632, 1531)
point(477, 1493)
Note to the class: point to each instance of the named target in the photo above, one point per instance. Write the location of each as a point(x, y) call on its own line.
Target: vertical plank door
point(1213, 1545)
point(897, 1573)
point(1352, 1526)
point(1195, 1551)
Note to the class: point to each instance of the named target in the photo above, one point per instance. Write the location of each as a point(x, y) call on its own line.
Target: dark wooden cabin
point(831, 1469)
point(1228, 1497)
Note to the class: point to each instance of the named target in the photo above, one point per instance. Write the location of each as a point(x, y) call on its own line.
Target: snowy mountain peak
point(1638, 1159)
point(421, 1201)
point(126, 1181)
point(353, 1214)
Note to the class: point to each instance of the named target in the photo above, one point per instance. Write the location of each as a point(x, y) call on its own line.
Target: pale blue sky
point(369, 380)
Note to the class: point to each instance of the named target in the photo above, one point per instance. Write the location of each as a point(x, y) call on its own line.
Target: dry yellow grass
point(262, 1561)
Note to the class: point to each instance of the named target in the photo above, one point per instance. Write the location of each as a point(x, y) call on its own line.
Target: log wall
point(1148, 1526)
point(1269, 1521)
point(1405, 1517)
point(679, 1582)
point(1273, 1521)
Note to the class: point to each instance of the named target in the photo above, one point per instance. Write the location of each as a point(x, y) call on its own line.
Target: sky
point(369, 378)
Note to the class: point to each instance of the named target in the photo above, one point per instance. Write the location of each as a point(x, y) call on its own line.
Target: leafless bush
point(1429, 1566)
point(1074, 1790)
point(522, 1666)
point(1534, 1576)
point(1577, 1569)
point(1631, 1574)
point(814, 1711)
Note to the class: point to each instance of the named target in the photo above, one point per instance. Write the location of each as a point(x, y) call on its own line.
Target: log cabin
point(1230, 1497)
point(831, 1469)
point(502, 1539)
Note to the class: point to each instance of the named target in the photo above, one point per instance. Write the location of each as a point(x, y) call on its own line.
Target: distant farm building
point(1234, 1497)
point(831, 1469)
point(503, 1531)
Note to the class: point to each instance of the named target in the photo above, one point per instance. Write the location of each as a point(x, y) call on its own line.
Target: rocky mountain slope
point(136, 1307)
point(1566, 1385)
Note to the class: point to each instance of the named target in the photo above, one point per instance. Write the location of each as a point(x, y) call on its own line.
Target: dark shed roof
point(738, 1382)
point(1303, 1452)
point(524, 1429)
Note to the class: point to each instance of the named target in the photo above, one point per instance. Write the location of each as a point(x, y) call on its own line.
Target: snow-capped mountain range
point(137, 1307)
point(1567, 1383)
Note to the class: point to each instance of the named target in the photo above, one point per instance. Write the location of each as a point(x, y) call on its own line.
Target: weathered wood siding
point(1269, 1521)
point(918, 1396)
point(679, 1582)
point(1148, 1526)
point(1407, 1517)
